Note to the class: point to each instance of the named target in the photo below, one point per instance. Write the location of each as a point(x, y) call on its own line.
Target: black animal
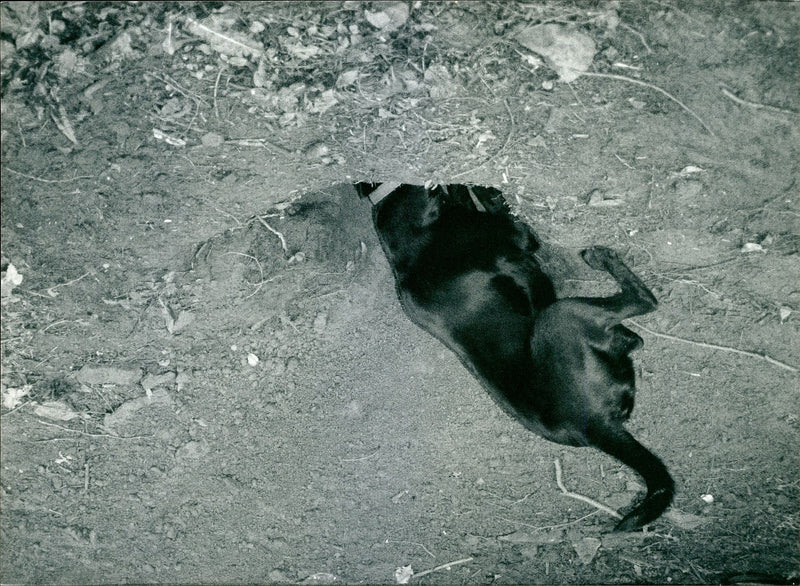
point(465, 272)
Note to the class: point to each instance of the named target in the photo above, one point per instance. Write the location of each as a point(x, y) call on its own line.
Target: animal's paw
point(599, 257)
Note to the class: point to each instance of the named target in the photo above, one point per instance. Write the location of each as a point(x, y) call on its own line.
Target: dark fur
point(560, 366)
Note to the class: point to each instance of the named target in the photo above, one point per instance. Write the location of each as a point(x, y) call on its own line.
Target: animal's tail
point(618, 442)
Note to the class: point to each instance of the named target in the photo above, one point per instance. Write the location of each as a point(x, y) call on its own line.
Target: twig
point(548, 527)
point(412, 543)
point(442, 567)
point(216, 87)
point(652, 87)
point(250, 256)
point(17, 408)
point(580, 497)
point(757, 106)
point(31, 177)
point(769, 359)
point(274, 231)
point(500, 150)
point(51, 291)
point(260, 270)
point(263, 142)
point(166, 79)
point(638, 34)
point(235, 219)
point(86, 433)
point(86, 477)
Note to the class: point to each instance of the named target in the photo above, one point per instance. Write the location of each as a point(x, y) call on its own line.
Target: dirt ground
point(206, 375)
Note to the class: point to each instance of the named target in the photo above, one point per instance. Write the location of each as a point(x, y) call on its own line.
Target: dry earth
point(207, 376)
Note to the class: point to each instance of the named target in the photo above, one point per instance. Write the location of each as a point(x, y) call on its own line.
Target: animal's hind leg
point(635, 298)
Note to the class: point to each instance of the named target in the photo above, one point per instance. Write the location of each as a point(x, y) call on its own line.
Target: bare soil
point(206, 374)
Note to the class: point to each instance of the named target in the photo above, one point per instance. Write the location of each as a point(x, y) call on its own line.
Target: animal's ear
point(363, 189)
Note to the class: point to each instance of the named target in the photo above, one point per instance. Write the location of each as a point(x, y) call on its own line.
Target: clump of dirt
point(207, 377)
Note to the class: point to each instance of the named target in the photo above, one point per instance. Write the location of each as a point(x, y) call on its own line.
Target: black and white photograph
point(400, 292)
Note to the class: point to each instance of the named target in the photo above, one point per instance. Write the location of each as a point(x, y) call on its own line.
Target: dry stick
point(412, 543)
point(49, 180)
point(652, 87)
point(443, 567)
point(216, 87)
point(86, 433)
point(263, 142)
point(250, 256)
point(549, 527)
point(51, 290)
point(729, 94)
point(580, 497)
point(638, 34)
point(17, 408)
point(769, 359)
point(274, 231)
point(500, 150)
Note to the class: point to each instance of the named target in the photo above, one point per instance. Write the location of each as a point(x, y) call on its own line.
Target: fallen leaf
point(685, 520)
point(108, 375)
point(324, 102)
point(392, 16)
point(213, 31)
point(320, 578)
point(403, 574)
point(122, 415)
point(752, 247)
point(11, 278)
point(567, 50)
point(55, 410)
point(586, 549)
point(12, 396)
point(346, 78)
point(690, 170)
point(260, 77)
point(171, 140)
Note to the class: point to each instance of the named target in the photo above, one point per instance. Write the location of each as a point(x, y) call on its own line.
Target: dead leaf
point(63, 124)
point(213, 31)
point(11, 279)
point(113, 422)
point(752, 247)
point(567, 50)
point(324, 102)
point(108, 375)
point(301, 51)
point(586, 549)
point(685, 520)
point(346, 78)
point(260, 77)
point(171, 140)
point(390, 18)
point(403, 574)
point(12, 396)
point(55, 410)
